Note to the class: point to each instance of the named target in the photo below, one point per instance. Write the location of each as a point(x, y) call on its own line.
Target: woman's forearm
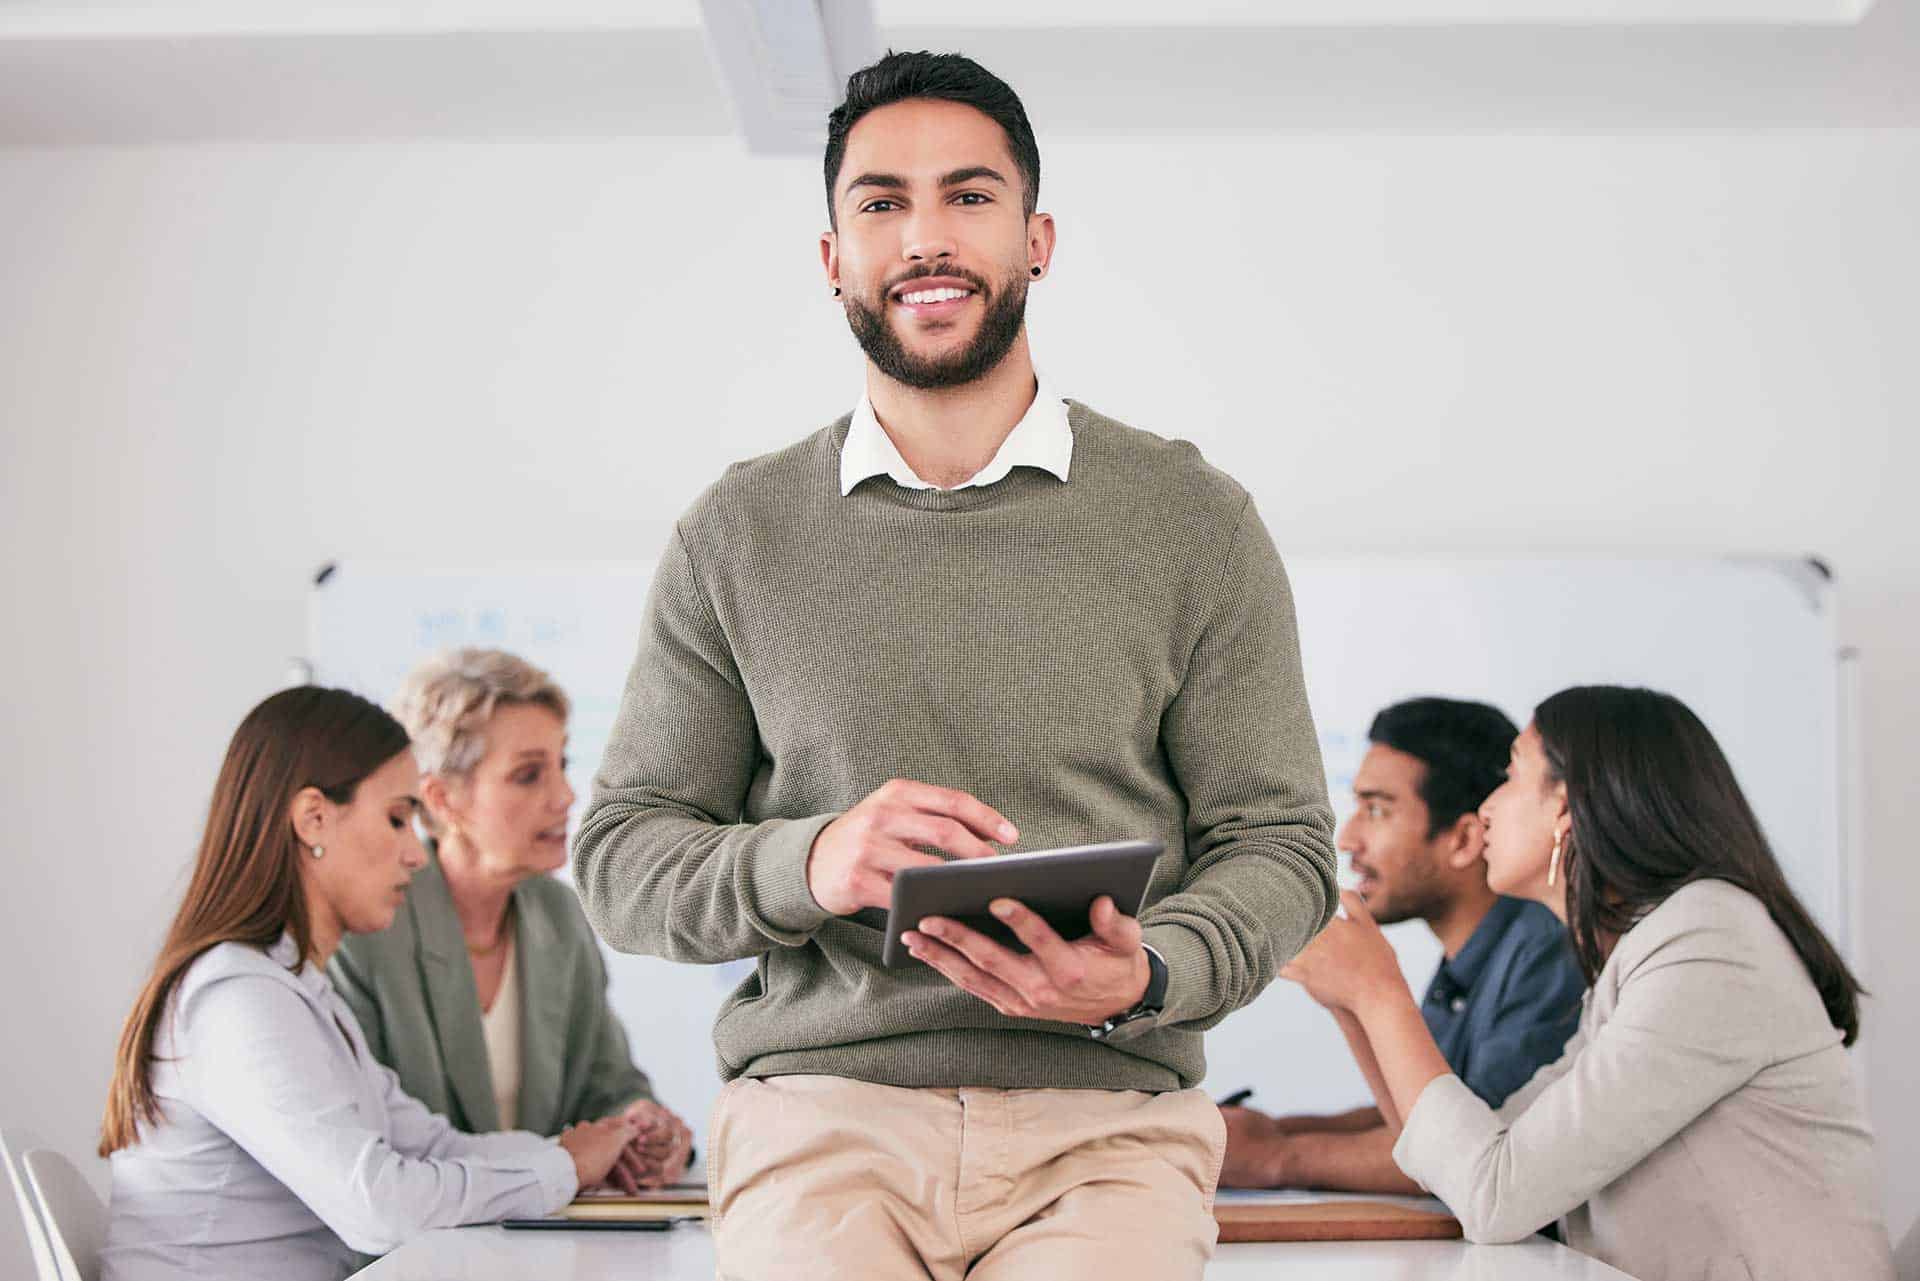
point(1402, 1052)
point(1363, 1054)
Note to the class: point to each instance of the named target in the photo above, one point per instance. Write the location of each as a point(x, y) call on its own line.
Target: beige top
point(1703, 1124)
point(500, 1026)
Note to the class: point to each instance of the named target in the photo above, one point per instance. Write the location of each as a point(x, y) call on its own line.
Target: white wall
point(220, 367)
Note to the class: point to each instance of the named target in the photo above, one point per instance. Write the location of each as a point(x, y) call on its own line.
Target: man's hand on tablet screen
point(853, 860)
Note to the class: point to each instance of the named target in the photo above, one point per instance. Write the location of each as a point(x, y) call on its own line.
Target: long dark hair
point(1655, 806)
point(246, 881)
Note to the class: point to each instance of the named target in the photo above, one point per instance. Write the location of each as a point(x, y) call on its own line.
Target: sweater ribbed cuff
point(776, 881)
point(1189, 979)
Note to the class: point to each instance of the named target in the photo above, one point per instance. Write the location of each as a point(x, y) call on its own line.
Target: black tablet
point(1060, 885)
point(590, 1225)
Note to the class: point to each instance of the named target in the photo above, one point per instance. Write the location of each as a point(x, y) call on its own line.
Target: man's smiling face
point(932, 247)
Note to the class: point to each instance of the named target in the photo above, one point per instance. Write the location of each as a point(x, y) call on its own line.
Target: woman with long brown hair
point(251, 1132)
point(1704, 1123)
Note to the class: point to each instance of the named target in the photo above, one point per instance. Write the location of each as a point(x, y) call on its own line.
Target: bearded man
point(968, 616)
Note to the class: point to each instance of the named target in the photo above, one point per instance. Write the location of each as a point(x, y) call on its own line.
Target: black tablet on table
point(1060, 885)
point(559, 1224)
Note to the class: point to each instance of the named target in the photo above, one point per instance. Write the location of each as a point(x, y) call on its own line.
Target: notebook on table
point(606, 1207)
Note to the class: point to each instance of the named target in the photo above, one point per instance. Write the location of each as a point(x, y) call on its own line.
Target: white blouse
point(285, 1147)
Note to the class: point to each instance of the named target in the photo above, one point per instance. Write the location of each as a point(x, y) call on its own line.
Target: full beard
point(1006, 312)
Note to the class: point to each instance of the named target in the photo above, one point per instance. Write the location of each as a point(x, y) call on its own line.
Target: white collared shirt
point(1042, 438)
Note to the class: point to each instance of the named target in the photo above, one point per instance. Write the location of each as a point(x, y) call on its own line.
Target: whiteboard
point(1749, 645)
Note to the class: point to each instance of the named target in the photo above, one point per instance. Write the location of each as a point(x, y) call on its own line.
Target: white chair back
point(76, 1220)
point(37, 1240)
point(1906, 1259)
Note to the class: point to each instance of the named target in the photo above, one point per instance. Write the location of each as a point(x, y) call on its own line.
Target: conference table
point(686, 1254)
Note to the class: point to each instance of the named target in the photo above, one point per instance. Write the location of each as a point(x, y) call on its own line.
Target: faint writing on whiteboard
point(493, 626)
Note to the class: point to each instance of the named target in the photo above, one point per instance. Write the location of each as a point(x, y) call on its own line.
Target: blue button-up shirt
point(1503, 1008)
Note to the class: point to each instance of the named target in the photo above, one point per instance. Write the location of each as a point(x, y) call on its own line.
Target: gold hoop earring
point(1553, 867)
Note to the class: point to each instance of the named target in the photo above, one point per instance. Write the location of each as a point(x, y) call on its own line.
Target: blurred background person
point(251, 1132)
point(488, 993)
point(1506, 996)
point(1704, 1121)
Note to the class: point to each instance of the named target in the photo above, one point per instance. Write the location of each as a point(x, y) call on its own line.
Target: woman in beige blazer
point(1704, 1122)
point(487, 995)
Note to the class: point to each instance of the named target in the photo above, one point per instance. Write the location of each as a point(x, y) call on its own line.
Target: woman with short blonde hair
point(488, 993)
point(447, 702)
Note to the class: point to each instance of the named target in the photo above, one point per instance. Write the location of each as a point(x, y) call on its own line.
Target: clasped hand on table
point(642, 1146)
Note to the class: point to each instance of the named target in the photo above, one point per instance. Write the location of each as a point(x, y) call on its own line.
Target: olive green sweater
point(1109, 657)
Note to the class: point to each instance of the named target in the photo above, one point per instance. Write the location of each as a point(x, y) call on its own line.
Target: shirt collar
point(1042, 438)
point(286, 952)
point(1464, 969)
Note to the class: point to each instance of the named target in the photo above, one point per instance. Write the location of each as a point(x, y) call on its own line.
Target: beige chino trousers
point(824, 1177)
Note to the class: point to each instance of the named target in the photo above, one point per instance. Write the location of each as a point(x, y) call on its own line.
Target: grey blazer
point(1703, 1124)
point(411, 986)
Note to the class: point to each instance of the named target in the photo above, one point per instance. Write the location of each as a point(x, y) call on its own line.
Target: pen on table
point(1236, 1098)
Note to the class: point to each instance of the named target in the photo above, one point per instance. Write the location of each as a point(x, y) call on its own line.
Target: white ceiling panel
point(627, 68)
point(1256, 14)
point(43, 19)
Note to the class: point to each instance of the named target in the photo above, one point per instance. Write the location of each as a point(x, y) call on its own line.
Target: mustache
point(927, 270)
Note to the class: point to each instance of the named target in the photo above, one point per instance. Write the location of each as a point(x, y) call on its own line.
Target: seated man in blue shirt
point(1507, 995)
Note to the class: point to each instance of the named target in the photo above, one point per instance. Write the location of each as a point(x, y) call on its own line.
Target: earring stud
point(1036, 272)
point(319, 850)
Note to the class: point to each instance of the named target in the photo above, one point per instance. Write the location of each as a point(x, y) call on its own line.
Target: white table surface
point(686, 1254)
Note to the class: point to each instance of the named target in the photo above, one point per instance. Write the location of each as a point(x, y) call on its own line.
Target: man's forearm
point(655, 881)
point(1335, 1161)
point(1338, 1123)
point(1240, 742)
point(1242, 907)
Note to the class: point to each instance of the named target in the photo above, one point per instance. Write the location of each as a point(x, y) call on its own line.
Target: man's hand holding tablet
point(1088, 980)
point(853, 860)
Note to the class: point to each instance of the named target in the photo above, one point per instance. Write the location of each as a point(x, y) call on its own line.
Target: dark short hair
point(1463, 745)
point(951, 77)
point(1656, 806)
